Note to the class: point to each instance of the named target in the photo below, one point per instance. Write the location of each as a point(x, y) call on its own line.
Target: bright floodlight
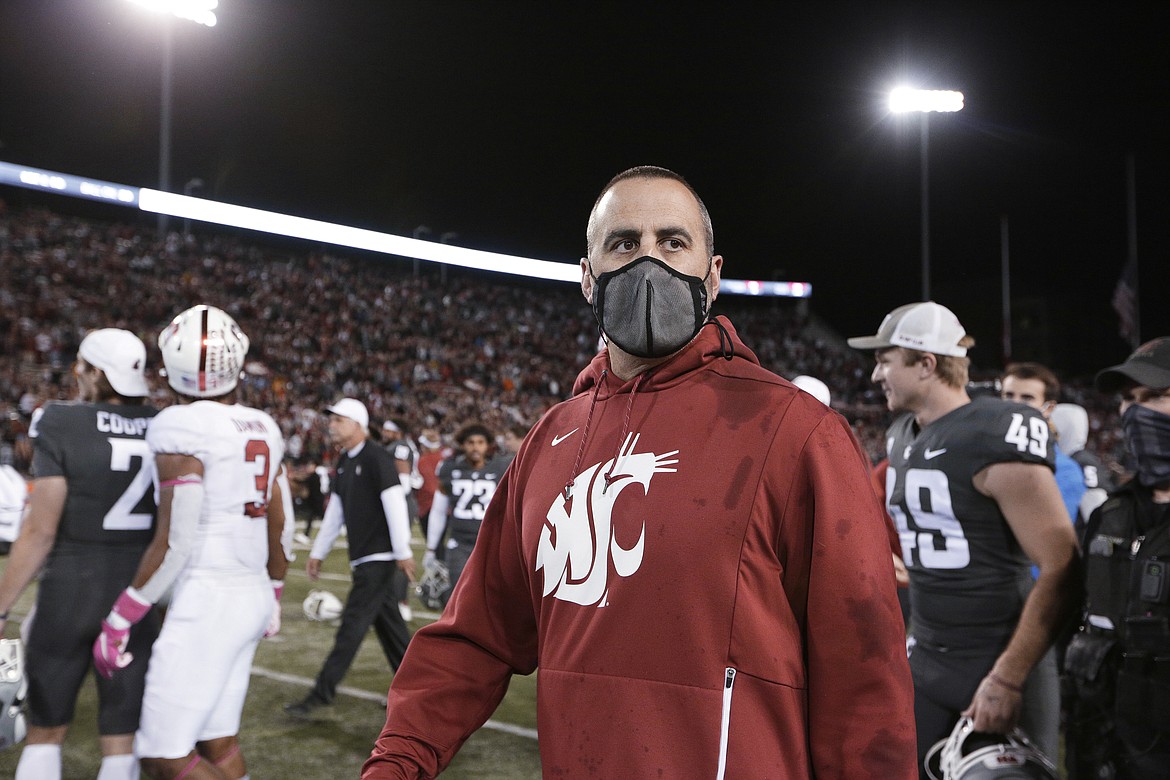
point(904, 99)
point(201, 11)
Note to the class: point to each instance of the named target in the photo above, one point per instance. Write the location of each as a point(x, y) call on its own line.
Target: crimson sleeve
point(860, 695)
point(456, 670)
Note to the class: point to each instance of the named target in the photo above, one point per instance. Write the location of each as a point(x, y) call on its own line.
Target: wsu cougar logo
point(577, 541)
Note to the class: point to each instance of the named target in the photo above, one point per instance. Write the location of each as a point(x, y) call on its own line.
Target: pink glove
point(274, 622)
point(109, 649)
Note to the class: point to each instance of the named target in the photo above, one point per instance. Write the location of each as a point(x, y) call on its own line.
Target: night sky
point(500, 121)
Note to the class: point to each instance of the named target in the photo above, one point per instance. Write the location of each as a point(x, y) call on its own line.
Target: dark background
point(500, 121)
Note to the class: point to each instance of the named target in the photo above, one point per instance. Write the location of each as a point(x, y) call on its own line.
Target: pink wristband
point(131, 608)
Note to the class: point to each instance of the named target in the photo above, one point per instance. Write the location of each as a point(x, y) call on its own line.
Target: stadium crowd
point(437, 349)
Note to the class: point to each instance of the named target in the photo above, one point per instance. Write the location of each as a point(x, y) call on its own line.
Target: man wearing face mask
point(1118, 663)
point(688, 548)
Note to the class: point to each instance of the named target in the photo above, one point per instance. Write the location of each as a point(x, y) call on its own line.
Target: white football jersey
point(241, 450)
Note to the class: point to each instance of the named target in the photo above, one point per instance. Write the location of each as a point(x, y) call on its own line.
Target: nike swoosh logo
point(930, 454)
point(558, 439)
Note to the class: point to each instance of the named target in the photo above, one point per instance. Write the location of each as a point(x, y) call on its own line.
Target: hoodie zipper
point(725, 721)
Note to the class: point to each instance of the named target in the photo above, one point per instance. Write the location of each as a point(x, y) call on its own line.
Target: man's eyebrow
point(622, 234)
point(633, 234)
point(674, 232)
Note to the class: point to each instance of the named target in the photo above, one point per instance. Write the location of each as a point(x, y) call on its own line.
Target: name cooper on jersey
point(109, 422)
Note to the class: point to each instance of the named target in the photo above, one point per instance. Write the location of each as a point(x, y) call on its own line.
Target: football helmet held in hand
point(13, 689)
point(968, 754)
point(434, 586)
point(321, 605)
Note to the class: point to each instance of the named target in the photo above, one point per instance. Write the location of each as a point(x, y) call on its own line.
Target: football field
point(336, 740)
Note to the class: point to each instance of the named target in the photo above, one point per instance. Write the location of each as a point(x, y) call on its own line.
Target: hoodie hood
point(716, 340)
point(1072, 427)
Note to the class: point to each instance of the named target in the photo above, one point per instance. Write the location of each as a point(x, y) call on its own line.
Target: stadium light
point(188, 207)
point(199, 11)
point(905, 100)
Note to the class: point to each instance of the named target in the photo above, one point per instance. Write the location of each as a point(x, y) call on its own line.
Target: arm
point(179, 508)
point(285, 497)
point(326, 535)
point(437, 520)
point(1031, 503)
point(403, 474)
point(37, 536)
point(457, 670)
point(839, 572)
point(398, 523)
point(279, 553)
point(180, 504)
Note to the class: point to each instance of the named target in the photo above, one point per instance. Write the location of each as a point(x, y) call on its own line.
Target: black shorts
point(77, 590)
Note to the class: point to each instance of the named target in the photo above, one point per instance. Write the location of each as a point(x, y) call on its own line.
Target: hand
point(996, 706)
point(274, 621)
point(313, 569)
point(407, 566)
point(109, 649)
point(901, 574)
point(428, 560)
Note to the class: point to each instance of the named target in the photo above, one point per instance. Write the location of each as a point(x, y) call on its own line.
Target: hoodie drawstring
point(726, 345)
point(568, 490)
point(625, 429)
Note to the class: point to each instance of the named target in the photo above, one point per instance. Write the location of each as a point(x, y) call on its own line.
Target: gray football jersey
point(968, 575)
point(471, 491)
point(101, 451)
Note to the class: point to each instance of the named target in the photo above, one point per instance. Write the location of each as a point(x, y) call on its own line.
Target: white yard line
point(357, 693)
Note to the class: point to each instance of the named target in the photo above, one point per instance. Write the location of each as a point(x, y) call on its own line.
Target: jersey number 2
point(122, 516)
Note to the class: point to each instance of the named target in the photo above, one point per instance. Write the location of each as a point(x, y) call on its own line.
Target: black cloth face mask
point(649, 309)
point(1147, 437)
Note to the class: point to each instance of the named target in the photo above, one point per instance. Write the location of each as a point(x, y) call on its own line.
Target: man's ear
point(929, 363)
point(716, 275)
point(586, 281)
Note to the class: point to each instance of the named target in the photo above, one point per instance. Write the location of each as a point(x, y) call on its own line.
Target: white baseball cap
point(122, 358)
point(353, 409)
point(814, 387)
point(926, 326)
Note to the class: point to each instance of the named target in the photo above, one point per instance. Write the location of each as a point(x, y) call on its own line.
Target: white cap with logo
point(353, 409)
point(926, 326)
point(122, 358)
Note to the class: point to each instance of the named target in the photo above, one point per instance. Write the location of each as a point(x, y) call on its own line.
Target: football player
point(217, 548)
point(467, 483)
point(90, 519)
point(971, 489)
point(1035, 385)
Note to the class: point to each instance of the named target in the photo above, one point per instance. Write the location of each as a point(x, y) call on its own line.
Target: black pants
point(372, 600)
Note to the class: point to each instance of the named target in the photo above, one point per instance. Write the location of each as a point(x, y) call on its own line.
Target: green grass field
point(338, 739)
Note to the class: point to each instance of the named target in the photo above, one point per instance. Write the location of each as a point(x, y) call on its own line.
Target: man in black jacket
point(1118, 663)
point(369, 499)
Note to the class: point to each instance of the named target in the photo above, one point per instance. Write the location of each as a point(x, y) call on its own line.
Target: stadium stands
point(436, 349)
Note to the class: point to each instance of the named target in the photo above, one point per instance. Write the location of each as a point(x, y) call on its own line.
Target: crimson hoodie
point(697, 563)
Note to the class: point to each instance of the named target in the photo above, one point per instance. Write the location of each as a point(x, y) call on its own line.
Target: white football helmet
point(321, 605)
point(968, 754)
point(203, 352)
point(13, 689)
